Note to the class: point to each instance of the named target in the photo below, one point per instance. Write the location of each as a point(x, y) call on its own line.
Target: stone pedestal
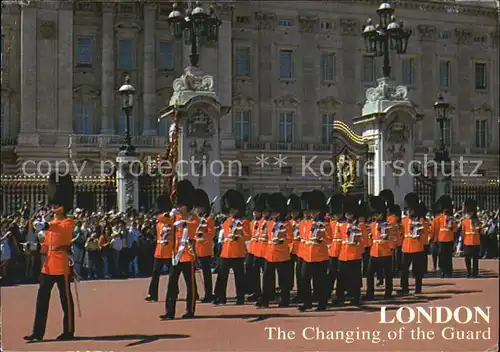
point(388, 118)
point(199, 111)
point(127, 174)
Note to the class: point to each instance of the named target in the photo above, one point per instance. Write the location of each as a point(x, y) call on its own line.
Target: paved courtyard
point(115, 318)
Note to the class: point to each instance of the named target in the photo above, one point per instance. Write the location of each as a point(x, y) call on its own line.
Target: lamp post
point(127, 94)
point(386, 36)
point(195, 25)
point(440, 110)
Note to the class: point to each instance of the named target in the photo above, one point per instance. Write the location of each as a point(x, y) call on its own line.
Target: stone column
point(28, 69)
point(65, 64)
point(127, 181)
point(108, 69)
point(149, 97)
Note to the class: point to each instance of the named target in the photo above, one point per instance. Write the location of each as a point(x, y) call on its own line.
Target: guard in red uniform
point(56, 268)
point(280, 235)
point(204, 240)
point(444, 227)
point(233, 253)
point(164, 243)
point(336, 220)
point(252, 271)
point(471, 229)
point(314, 253)
point(383, 243)
point(365, 219)
point(351, 253)
point(415, 234)
point(294, 206)
point(184, 256)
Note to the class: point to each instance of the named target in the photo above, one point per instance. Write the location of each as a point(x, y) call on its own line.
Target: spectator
point(133, 236)
point(116, 246)
point(78, 247)
point(6, 252)
point(31, 249)
point(104, 245)
point(92, 248)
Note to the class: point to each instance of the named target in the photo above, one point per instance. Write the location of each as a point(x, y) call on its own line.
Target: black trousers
point(258, 266)
point(298, 273)
point(238, 267)
point(251, 277)
point(318, 272)
point(435, 254)
point(284, 279)
point(472, 259)
point(295, 274)
point(376, 265)
point(427, 250)
point(187, 271)
point(446, 257)
point(333, 273)
point(366, 260)
point(42, 303)
point(206, 269)
point(417, 260)
point(349, 278)
point(397, 262)
point(155, 277)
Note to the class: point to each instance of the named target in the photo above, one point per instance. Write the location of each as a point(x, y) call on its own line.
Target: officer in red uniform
point(204, 240)
point(184, 257)
point(56, 268)
point(444, 227)
point(294, 206)
point(164, 244)
point(470, 228)
point(336, 220)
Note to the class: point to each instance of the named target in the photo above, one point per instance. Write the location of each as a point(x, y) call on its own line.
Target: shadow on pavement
point(142, 339)
point(253, 317)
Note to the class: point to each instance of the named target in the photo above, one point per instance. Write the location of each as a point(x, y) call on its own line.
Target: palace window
point(326, 26)
point(286, 170)
point(286, 23)
point(163, 127)
point(328, 63)
point(286, 127)
point(444, 74)
point(242, 62)
point(480, 74)
point(408, 71)
point(122, 124)
point(369, 73)
point(166, 56)
point(242, 126)
point(327, 128)
point(84, 52)
point(481, 133)
point(286, 64)
point(126, 8)
point(84, 123)
point(126, 54)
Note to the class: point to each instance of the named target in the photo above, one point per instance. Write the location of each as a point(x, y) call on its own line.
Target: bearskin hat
point(201, 200)
point(335, 203)
point(351, 205)
point(387, 196)
point(304, 198)
point(445, 203)
point(258, 202)
point(61, 191)
point(470, 205)
point(394, 209)
point(365, 209)
point(294, 203)
point(277, 203)
point(184, 194)
point(421, 210)
point(317, 200)
point(163, 204)
point(411, 199)
point(234, 200)
point(377, 204)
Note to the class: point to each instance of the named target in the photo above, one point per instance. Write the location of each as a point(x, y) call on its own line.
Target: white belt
point(411, 236)
point(380, 241)
point(472, 233)
point(350, 243)
point(445, 229)
point(337, 240)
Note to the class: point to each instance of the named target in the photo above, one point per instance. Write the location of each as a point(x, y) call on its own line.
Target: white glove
point(40, 225)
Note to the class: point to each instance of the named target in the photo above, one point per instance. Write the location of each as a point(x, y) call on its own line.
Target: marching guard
point(415, 234)
point(204, 240)
point(233, 253)
point(279, 235)
point(314, 253)
point(444, 227)
point(335, 204)
point(164, 244)
point(57, 268)
point(295, 215)
point(471, 231)
point(183, 261)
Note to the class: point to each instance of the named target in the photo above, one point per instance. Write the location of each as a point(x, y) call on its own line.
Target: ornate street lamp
point(388, 35)
point(127, 94)
point(440, 110)
point(196, 24)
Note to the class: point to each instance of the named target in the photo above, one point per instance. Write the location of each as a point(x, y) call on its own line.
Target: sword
point(77, 298)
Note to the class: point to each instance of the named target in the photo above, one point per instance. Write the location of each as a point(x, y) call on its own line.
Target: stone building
point(288, 71)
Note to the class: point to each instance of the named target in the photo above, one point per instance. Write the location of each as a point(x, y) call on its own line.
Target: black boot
point(33, 338)
point(65, 336)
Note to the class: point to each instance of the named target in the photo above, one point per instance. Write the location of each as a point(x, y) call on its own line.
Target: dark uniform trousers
point(187, 270)
point(333, 273)
point(42, 303)
point(375, 266)
point(238, 266)
point(366, 261)
point(284, 279)
point(258, 266)
point(252, 279)
point(295, 274)
point(155, 277)
point(349, 278)
point(298, 273)
point(472, 259)
point(318, 272)
point(397, 262)
point(427, 249)
point(417, 260)
point(446, 257)
point(434, 254)
point(206, 269)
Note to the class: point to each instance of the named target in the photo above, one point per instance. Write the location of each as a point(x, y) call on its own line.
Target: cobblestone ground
point(115, 318)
